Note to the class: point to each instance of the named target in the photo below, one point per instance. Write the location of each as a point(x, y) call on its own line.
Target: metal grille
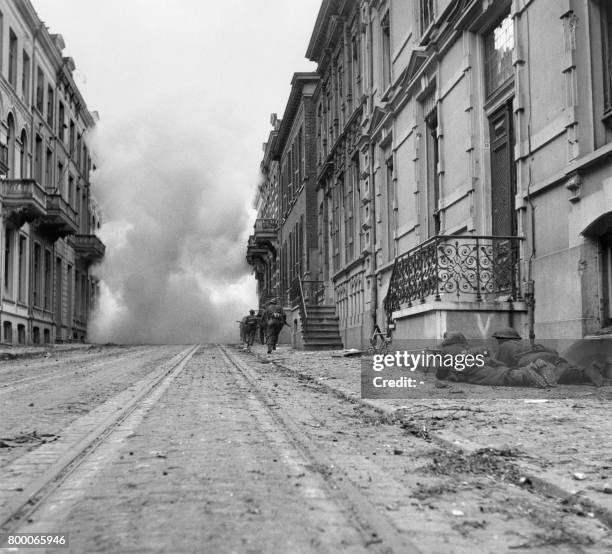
point(463, 267)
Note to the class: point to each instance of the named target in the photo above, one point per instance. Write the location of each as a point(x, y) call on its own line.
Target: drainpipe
point(530, 293)
point(374, 305)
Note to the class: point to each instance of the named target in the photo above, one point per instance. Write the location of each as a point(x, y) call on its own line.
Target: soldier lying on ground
point(490, 372)
point(515, 352)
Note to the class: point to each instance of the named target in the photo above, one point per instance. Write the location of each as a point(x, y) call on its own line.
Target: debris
point(607, 488)
point(27, 438)
point(457, 513)
point(579, 476)
point(535, 400)
point(398, 451)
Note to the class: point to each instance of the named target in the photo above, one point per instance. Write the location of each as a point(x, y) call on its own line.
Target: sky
point(184, 89)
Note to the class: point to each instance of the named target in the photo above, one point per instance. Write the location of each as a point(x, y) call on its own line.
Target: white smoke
point(176, 223)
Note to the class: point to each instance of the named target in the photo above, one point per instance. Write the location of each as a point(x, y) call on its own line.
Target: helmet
point(506, 333)
point(252, 312)
point(453, 337)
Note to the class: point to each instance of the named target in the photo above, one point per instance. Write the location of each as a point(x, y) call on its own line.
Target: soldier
point(492, 372)
point(515, 352)
point(261, 327)
point(273, 319)
point(242, 329)
point(250, 328)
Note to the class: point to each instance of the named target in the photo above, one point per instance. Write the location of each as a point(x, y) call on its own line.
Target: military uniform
point(516, 352)
point(492, 373)
point(273, 319)
point(250, 326)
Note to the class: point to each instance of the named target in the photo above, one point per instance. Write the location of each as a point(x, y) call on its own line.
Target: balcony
point(266, 233)
point(88, 247)
point(60, 219)
point(255, 251)
point(23, 200)
point(460, 268)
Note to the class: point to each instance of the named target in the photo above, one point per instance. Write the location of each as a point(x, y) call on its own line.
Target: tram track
point(374, 527)
point(22, 506)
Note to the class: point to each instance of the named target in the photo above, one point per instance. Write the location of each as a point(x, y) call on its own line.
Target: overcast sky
point(185, 89)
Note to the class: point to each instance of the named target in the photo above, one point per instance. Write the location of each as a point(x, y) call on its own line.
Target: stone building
point(463, 169)
point(49, 217)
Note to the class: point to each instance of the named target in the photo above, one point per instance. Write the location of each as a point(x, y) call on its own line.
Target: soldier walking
point(273, 319)
point(250, 329)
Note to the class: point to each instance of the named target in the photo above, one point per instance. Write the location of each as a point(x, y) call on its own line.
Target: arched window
point(11, 145)
point(23, 155)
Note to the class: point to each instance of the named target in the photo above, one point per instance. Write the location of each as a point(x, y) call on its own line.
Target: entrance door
point(503, 175)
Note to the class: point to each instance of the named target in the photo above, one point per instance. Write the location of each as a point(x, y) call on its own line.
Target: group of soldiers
point(516, 362)
point(266, 324)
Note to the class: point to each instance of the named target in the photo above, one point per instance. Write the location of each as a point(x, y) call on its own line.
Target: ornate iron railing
point(263, 224)
point(461, 266)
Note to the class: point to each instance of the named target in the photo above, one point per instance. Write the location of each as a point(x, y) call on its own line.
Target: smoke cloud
point(176, 219)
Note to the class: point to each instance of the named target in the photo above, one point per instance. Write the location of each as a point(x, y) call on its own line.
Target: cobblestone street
point(168, 449)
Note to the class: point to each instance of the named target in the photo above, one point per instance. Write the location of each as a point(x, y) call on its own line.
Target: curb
point(538, 483)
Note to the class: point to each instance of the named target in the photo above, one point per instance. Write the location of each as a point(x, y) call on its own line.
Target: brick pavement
point(555, 439)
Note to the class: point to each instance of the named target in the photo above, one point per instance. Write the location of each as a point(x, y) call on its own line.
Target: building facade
point(48, 216)
point(463, 166)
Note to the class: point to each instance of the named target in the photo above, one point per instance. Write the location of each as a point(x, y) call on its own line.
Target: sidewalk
point(9, 352)
point(562, 441)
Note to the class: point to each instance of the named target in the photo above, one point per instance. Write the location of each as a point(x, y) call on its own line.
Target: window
point(71, 147)
point(40, 90)
point(386, 51)
point(356, 69)
point(36, 335)
point(38, 160)
point(69, 284)
point(349, 219)
point(49, 169)
point(433, 179)
point(427, 14)
point(25, 78)
point(71, 190)
point(60, 177)
point(1, 38)
point(61, 119)
point(7, 335)
point(12, 76)
point(8, 261)
point(606, 43)
point(50, 106)
point(21, 333)
point(335, 223)
point(48, 281)
point(499, 44)
point(37, 292)
point(23, 258)
point(23, 155)
point(390, 209)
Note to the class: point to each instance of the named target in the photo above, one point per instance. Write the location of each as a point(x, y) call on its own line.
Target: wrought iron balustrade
point(465, 267)
point(265, 225)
